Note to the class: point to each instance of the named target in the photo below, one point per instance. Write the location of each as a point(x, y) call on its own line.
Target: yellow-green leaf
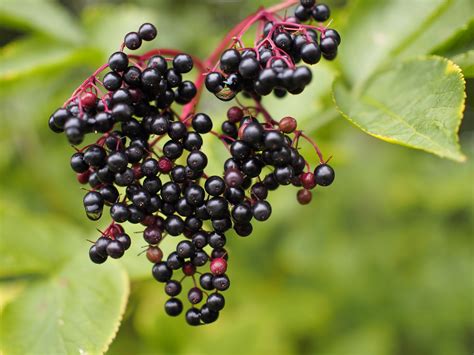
point(418, 103)
point(77, 310)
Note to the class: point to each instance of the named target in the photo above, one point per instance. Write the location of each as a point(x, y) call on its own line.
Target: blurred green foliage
point(379, 263)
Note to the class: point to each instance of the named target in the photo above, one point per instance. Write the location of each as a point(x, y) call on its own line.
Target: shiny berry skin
point(147, 32)
point(118, 61)
point(230, 60)
point(218, 266)
point(152, 234)
point(119, 212)
point(304, 196)
point(205, 280)
point(221, 282)
point(161, 272)
point(78, 164)
point(310, 53)
point(333, 34)
point(173, 288)
point(328, 45)
point(95, 256)
point(214, 186)
point(324, 175)
point(189, 269)
point(173, 307)
point(154, 254)
point(235, 114)
point(202, 123)
point(302, 13)
point(185, 249)
point(217, 240)
point(287, 124)
point(233, 177)
point(101, 245)
point(132, 40)
point(215, 302)
point(249, 67)
point(208, 315)
point(195, 295)
point(307, 3)
point(307, 180)
point(197, 160)
point(261, 210)
point(214, 82)
point(115, 249)
point(193, 317)
point(112, 81)
point(321, 12)
point(124, 240)
point(183, 63)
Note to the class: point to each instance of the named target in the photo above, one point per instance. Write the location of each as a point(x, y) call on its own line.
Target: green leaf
point(36, 247)
point(451, 17)
point(460, 49)
point(76, 311)
point(41, 16)
point(417, 103)
point(375, 28)
point(35, 54)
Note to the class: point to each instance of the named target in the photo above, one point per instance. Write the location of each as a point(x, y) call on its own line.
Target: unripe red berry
point(154, 254)
point(287, 124)
point(307, 180)
point(88, 99)
point(137, 171)
point(218, 266)
point(165, 165)
point(235, 114)
point(189, 269)
point(83, 178)
point(149, 220)
point(304, 196)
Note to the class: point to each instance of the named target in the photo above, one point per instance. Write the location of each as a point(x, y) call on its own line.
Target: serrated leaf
point(77, 310)
point(417, 103)
point(460, 49)
point(375, 28)
point(42, 16)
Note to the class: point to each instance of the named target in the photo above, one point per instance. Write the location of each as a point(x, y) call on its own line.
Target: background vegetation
point(380, 263)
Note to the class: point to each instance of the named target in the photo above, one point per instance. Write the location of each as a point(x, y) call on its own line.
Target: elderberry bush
point(148, 165)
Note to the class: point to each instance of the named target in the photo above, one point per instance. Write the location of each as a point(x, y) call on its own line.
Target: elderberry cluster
point(148, 166)
point(270, 65)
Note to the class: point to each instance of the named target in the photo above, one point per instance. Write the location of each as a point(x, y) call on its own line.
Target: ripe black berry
point(118, 61)
point(115, 249)
point(321, 12)
point(95, 256)
point(215, 302)
point(249, 67)
point(173, 288)
point(193, 317)
point(230, 60)
point(132, 40)
point(201, 123)
point(112, 81)
point(147, 32)
point(161, 272)
point(208, 315)
point(183, 63)
point(173, 307)
point(324, 175)
point(261, 210)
